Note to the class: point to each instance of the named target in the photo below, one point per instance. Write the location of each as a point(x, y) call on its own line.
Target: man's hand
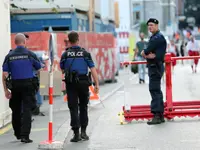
point(8, 94)
point(96, 89)
point(143, 54)
point(151, 56)
point(6, 91)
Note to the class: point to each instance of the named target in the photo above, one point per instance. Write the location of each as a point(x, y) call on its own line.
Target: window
point(79, 28)
point(136, 13)
point(137, 16)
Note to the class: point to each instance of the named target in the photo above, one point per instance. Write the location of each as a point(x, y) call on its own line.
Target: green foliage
point(144, 28)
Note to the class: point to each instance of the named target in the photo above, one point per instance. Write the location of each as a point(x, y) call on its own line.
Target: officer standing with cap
point(74, 63)
point(155, 54)
point(20, 63)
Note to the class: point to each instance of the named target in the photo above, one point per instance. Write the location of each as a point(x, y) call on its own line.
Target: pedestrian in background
point(67, 44)
point(155, 54)
point(20, 63)
point(174, 52)
point(193, 49)
point(140, 46)
point(74, 63)
point(182, 49)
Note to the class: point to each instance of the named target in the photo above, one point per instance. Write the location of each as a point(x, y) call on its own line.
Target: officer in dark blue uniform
point(9, 77)
point(20, 63)
point(74, 63)
point(155, 54)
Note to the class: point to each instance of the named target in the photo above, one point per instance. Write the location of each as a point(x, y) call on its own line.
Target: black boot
point(18, 137)
point(156, 120)
point(36, 111)
point(162, 118)
point(143, 81)
point(76, 137)
point(140, 81)
point(84, 136)
point(26, 140)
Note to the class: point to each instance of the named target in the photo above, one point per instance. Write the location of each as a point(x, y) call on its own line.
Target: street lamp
point(144, 7)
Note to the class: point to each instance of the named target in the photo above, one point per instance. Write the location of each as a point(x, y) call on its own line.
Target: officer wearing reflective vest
point(155, 53)
point(74, 63)
point(20, 63)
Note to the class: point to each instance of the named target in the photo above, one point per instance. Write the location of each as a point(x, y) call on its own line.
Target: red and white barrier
point(50, 107)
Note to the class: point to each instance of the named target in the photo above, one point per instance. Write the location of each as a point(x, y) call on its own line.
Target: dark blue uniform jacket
point(21, 63)
point(79, 58)
point(157, 45)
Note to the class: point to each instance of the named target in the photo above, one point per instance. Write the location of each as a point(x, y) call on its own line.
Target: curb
point(112, 92)
point(62, 133)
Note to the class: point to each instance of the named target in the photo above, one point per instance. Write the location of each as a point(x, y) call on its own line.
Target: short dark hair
point(73, 37)
point(20, 38)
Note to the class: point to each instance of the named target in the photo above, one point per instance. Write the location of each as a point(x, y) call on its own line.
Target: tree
point(144, 28)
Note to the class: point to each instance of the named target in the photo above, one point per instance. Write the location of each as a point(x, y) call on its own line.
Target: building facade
point(124, 33)
point(5, 112)
point(163, 10)
point(180, 7)
point(72, 15)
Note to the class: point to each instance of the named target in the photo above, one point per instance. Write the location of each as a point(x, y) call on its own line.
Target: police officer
point(27, 37)
point(20, 63)
point(9, 77)
point(155, 54)
point(67, 44)
point(74, 63)
point(38, 98)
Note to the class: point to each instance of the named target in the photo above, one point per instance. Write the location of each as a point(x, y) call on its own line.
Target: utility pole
point(144, 7)
point(169, 13)
point(91, 15)
point(131, 14)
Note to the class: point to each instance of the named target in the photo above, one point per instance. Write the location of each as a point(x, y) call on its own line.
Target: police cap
point(152, 20)
point(26, 35)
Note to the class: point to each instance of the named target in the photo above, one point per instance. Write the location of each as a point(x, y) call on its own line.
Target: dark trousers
point(78, 98)
point(155, 75)
point(22, 103)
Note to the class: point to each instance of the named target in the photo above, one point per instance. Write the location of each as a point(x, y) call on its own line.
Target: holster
point(71, 77)
point(85, 79)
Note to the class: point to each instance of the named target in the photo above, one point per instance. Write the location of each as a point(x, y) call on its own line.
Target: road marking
point(5, 129)
point(9, 127)
point(39, 129)
point(190, 141)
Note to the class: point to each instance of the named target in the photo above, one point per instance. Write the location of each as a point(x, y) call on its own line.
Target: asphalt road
point(106, 133)
point(40, 124)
